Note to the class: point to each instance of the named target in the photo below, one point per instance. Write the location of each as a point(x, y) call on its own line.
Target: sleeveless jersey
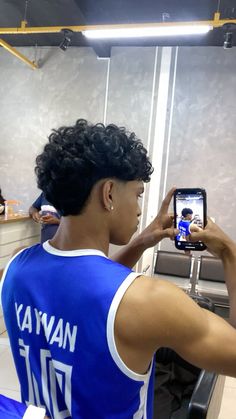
point(184, 229)
point(59, 309)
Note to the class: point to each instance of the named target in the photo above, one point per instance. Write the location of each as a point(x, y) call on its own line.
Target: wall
point(67, 86)
point(203, 141)
point(180, 101)
point(202, 150)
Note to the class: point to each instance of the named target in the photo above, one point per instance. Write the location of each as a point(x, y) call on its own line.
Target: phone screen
point(190, 216)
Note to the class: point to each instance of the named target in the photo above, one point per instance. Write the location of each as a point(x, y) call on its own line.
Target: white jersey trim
point(110, 330)
point(77, 252)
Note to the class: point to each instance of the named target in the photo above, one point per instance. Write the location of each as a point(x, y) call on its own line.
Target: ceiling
point(79, 12)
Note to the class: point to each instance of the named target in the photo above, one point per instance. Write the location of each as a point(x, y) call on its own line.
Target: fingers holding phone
point(215, 239)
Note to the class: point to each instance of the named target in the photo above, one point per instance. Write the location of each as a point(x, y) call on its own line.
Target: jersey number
point(53, 374)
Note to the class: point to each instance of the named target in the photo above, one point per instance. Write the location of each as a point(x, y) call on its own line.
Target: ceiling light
point(142, 32)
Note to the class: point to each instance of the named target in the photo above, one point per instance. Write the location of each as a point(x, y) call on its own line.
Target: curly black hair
point(76, 157)
point(186, 211)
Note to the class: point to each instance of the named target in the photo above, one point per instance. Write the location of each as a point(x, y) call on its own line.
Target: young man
point(185, 225)
point(84, 328)
point(44, 213)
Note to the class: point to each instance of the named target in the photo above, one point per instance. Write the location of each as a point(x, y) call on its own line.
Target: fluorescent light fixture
point(143, 32)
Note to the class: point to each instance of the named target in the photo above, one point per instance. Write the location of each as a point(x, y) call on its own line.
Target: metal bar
point(18, 54)
point(24, 30)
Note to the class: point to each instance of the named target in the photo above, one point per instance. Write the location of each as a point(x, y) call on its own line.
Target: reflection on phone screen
point(189, 214)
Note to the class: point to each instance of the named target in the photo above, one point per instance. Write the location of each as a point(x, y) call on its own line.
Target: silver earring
point(111, 207)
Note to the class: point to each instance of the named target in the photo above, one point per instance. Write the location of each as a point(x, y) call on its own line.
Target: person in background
point(2, 203)
point(88, 326)
point(44, 213)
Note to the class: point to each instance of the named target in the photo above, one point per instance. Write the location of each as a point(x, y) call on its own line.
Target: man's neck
point(77, 232)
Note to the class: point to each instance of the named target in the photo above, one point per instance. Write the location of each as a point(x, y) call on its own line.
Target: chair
point(176, 267)
point(183, 391)
point(199, 392)
point(206, 399)
point(211, 269)
point(211, 283)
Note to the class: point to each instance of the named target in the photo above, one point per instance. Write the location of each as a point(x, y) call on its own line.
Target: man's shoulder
point(147, 311)
point(147, 292)
point(23, 251)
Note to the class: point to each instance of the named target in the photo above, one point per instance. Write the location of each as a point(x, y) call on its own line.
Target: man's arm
point(154, 313)
point(35, 209)
point(49, 219)
point(34, 213)
point(194, 228)
point(221, 246)
point(230, 278)
point(160, 228)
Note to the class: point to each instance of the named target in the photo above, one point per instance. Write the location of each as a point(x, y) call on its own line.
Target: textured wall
point(67, 86)
point(130, 88)
point(130, 91)
point(194, 114)
point(203, 143)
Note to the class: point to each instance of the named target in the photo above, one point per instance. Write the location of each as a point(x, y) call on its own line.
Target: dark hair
point(77, 157)
point(186, 211)
point(2, 200)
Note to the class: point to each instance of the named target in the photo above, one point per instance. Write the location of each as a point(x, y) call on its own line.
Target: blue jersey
point(12, 409)
point(42, 205)
point(184, 229)
point(59, 309)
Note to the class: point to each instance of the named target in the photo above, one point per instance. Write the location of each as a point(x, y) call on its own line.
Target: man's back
point(63, 338)
point(184, 229)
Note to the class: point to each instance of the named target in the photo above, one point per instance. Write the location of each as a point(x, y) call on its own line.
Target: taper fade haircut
point(76, 157)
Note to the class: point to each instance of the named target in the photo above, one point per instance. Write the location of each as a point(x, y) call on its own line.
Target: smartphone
point(190, 214)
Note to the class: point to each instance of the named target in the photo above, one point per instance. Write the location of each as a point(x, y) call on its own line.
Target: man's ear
point(107, 194)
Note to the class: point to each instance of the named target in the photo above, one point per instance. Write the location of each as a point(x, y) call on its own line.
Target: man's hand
point(162, 225)
point(215, 239)
point(221, 246)
point(158, 229)
point(49, 219)
point(36, 216)
point(194, 228)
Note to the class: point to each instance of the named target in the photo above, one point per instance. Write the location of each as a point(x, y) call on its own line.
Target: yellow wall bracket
point(18, 54)
point(216, 22)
